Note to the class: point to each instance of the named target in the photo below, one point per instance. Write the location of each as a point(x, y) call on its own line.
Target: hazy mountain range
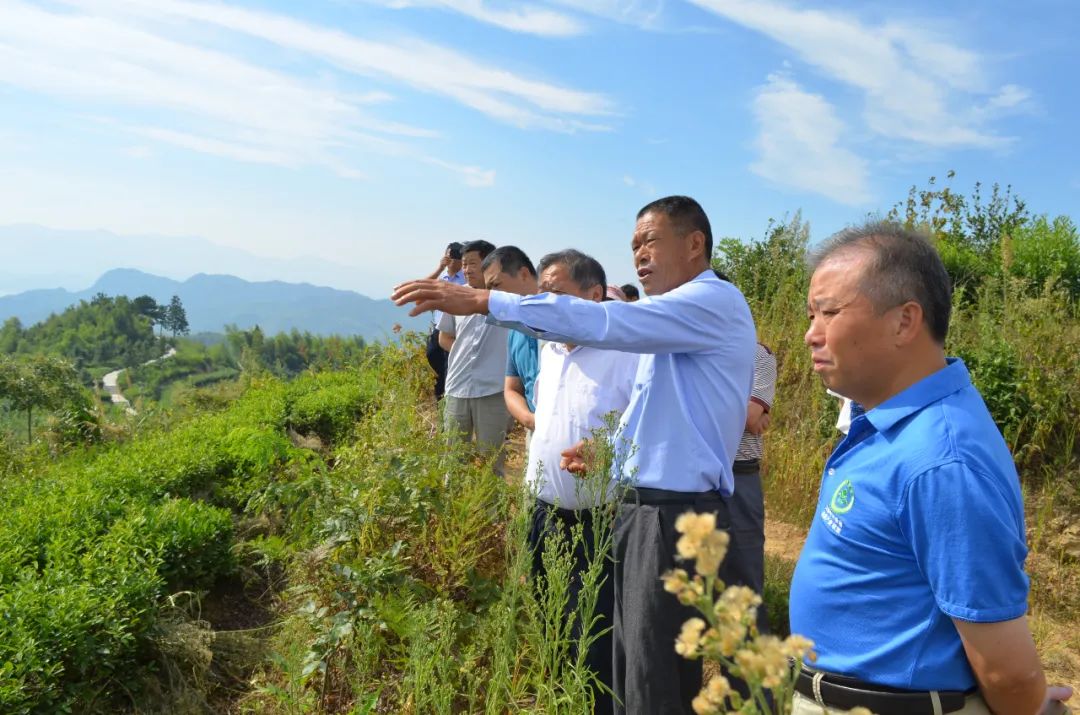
point(214, 301)
point(34, 256)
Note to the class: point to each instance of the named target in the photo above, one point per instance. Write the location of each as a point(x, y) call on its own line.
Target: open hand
point(576, 459)
point(1055, 697)
point(433, 294)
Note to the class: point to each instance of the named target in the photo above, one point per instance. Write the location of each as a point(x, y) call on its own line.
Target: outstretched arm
point(694, 318)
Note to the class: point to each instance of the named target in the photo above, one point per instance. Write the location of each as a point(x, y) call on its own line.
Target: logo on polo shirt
point(843, 498)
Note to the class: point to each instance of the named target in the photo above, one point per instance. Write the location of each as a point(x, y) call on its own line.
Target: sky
point(363, 135)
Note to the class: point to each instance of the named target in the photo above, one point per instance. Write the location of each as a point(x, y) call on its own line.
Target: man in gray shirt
point(476, 369)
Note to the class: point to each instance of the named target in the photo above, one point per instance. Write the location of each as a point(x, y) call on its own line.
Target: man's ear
point(696, 241)
point(596, 293)
point(910, 322)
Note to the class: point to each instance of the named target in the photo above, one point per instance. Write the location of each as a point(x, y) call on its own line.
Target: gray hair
point(904, 266)
point(584, 270)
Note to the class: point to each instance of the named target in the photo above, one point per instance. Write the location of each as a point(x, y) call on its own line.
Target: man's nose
point(814, 334)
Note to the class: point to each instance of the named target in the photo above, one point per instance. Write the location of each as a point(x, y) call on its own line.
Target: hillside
point(214, 301)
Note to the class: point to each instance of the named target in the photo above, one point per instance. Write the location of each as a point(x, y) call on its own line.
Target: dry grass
point(1054, 617)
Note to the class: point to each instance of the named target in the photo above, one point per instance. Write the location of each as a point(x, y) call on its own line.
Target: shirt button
point(831, 471)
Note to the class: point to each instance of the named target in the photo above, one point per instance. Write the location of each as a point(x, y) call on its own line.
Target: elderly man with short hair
point(911, 582)
point(695, 338)
point(576, 389)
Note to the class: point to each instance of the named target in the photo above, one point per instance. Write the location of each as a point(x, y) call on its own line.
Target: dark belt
point(844, 693)
point(660, 497)
point(573, 516)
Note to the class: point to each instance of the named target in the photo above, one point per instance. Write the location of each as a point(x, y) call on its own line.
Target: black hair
point(686, 214)
point(511, 260)
point(904, 266)
point(482, 247)
point(630, 291)
point(584, 270)
point(453, 249)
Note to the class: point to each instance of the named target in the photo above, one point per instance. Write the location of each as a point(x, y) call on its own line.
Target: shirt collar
point(932, 388)
point(707, 274)
point(560, 348)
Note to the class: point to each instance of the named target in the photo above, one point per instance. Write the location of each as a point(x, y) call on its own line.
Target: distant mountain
point(213, 301)
point(33, 256)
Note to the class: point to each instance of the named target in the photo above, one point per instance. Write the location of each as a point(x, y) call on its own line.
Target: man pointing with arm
point(684, 420)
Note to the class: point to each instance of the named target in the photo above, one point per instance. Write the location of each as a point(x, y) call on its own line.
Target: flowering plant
point(728, 633)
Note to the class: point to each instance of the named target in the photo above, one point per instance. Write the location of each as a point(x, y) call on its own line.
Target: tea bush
point(91, 544)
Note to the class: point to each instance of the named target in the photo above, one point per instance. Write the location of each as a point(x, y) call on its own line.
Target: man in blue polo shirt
point(911, 583)
point(687, 410)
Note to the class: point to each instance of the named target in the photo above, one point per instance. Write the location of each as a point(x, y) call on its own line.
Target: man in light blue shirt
point(685, 418)
point(911, 583)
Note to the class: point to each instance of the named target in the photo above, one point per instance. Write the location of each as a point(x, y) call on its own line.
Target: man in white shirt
point(476, 369)
point(577, 387)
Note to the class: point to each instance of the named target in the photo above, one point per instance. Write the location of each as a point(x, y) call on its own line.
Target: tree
point(145, 305)
point(10, 334)
point(41, 382)
point(176, 318)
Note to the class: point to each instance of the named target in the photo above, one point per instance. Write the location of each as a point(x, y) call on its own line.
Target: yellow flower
point(695, 525)
point(711, 698)
point(689, 641)
point(676, 581)
point(796, 646)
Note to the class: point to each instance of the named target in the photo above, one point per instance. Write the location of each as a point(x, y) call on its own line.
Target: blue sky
point(368, 133)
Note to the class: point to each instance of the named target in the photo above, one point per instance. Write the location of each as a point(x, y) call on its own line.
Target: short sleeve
point(511, 364)
point(447, 325)
point(764, 391)
point(967, 533)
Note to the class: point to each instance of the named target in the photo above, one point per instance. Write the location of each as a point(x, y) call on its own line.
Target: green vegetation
point(95, 543)
point(114, 332)
point(297, 538)
point(1016, 324)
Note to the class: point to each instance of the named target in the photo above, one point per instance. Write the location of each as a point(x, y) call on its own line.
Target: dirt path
point(111, 382)
point(783, 540)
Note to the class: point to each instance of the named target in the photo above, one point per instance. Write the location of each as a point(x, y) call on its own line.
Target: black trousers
point(746, 551)
point(437, 358)
point(649, 676)
point(547, 521)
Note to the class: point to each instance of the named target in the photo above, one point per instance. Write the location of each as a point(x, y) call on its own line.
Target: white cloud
point(916, 86)
point(640, 13)
point(1010, 97)
point(430, 68)
point(164, 70)
point(799, 144)
point(139, 152)
point(518, 17)
point(643, 187)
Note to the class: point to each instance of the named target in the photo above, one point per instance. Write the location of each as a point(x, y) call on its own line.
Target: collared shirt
point(919, 521)
point(522, 362)
point(575, 391)
point(688, 407)
point(477, 361)
point(457, 279)
point(751, 445)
